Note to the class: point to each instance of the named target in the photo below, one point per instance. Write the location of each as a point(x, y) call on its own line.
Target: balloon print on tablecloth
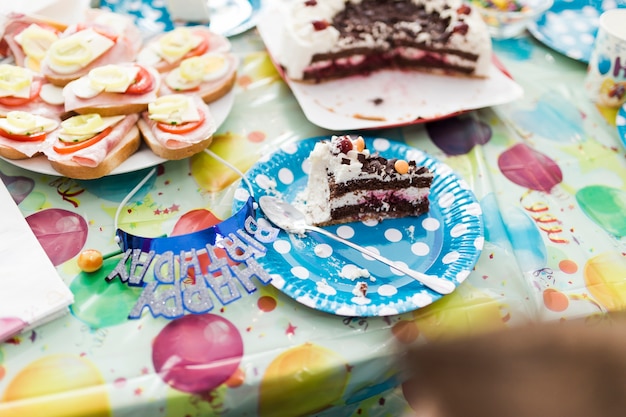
point(529, 168)
point(605, 278)
point(197, 353)
point(302, 380)
point(19, 187)
point(99, 303)
point(466, 311)
point(532, 169)
point(459, 135)
point(606, 206)
point(61, 233)
point(59, 378)
point(554, 117)
point(194, 221)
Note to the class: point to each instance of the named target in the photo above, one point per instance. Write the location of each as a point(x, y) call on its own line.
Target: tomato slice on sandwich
point(69, 147)
point(38, 137)
point(202, 48)
point(181, 128)
point(143, 82)
point(12, 101)
point(26, 127)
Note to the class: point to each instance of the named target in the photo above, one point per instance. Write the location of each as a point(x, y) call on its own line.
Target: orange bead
point(401, 166)
point(90, 260)
point(359, 144)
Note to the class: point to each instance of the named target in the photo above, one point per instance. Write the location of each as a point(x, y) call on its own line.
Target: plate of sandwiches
point(94, 98)
point(408, 64)
point(433, 226)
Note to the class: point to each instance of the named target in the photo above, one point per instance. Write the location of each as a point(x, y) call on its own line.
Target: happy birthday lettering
point(181, 285)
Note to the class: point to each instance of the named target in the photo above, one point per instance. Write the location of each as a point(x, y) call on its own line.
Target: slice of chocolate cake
point(346, 183)
point(330, 39)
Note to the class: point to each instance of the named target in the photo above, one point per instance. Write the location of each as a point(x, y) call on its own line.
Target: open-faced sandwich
point(102, 38)
point(177, 126)
point(25, 135)
point(112, 90)
point(166, 51)
point(25, 90)
point(209, 76)
point(27, 38)
point(90, 146)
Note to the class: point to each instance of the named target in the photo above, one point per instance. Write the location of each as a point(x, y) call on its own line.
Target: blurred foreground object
point(573, 369)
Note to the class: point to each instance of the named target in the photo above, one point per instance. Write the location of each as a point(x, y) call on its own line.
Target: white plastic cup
point(606, 74)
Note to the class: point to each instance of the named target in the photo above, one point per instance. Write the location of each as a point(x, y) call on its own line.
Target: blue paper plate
point(620, 122)
point(570, 26)
point(228, 17)
point(313, 269)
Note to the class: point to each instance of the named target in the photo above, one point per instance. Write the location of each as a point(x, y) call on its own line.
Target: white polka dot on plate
point(393, 235)
point(473, 209)
point(462, 275)
point(300, 272)
point(401, 265)
point(387, 290)
point(372, 249)
point(590, 11)
point(381, 144)
point(388, 311)
point(459, 229)
point(285, 176)
point(241, 194)
point(323, 250)
point(324, 288)
point(446, 200)
point(290, 148)
point(307, 300)
point(450, 257)
point(306, 166)
point(430, 224)
point(443, 170)
point(420, 249)
point(282, 246)
point(264, 181)
point(587, 38)
point(370, 222)
point(568, 40)
point(361, 300)
point(346, 311)
point(422, 299)
point(278, 281)
point(345, 232)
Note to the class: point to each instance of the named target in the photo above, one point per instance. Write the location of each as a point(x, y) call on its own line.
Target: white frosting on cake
point(301, 40)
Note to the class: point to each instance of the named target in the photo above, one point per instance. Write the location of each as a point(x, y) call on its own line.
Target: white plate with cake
point(443, 238)
point(444, 67)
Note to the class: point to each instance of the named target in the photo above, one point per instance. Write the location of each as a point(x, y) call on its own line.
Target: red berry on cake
point(320, 24)
point(464, 9)
point(345, 144)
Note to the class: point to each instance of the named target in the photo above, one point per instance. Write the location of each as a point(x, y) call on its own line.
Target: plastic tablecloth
point(548, 170)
